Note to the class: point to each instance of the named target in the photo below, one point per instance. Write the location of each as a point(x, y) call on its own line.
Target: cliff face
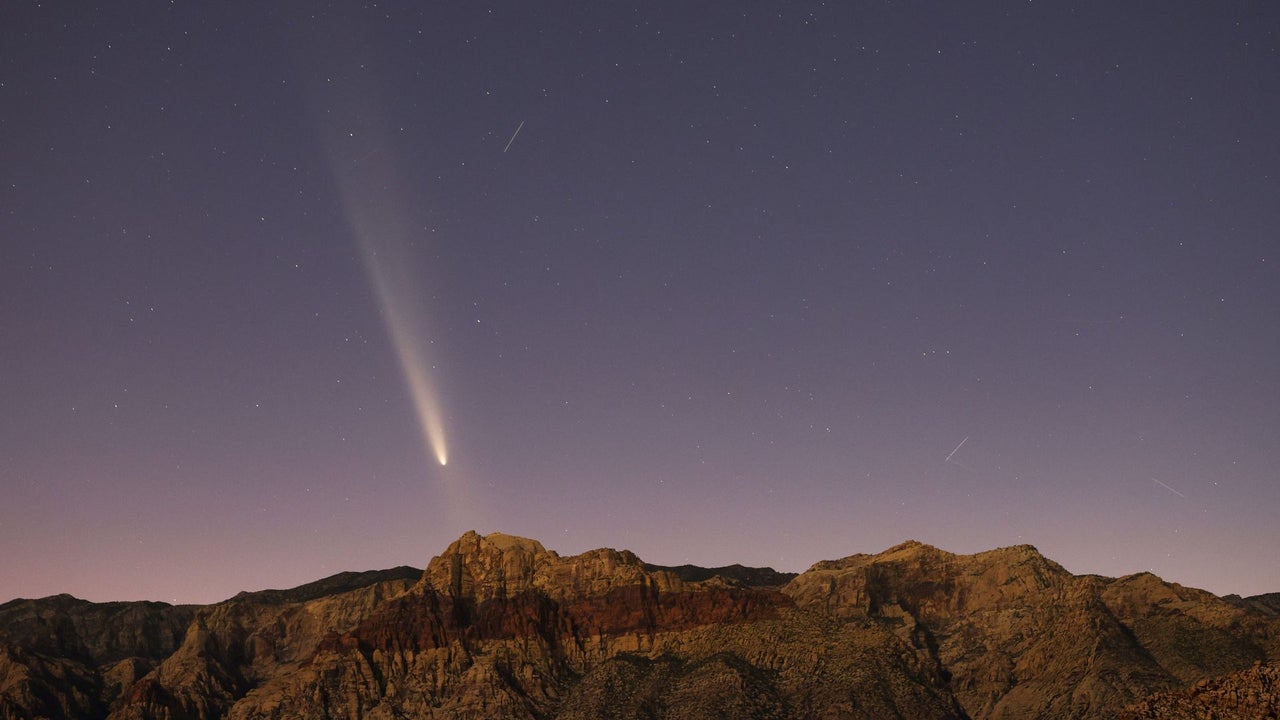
point(500, 627)
point(34, 686)
point(233, 647)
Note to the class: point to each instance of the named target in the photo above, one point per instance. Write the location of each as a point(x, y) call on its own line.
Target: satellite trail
point(513, 136)
point(1166, 487)
point(953, 452)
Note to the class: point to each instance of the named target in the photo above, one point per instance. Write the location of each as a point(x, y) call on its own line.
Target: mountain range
point(498, 627)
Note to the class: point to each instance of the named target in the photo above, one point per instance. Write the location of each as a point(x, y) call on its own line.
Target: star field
point(716, 284)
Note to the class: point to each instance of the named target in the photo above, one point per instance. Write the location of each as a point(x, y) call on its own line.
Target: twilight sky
point(735, 291)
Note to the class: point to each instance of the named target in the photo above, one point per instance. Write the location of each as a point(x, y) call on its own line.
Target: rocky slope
point(1252, 694)
point(65, 657)
point(1268, 604)
point(94, 633)
point(1019, 636)
point(500, 627)
point(61, 657)
point(233, 647)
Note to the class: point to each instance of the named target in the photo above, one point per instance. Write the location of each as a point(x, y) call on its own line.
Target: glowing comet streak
point(413, 364)
point(379, 217)
point(386, 214)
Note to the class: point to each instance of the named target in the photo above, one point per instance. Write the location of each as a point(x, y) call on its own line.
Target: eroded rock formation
point(500, 627)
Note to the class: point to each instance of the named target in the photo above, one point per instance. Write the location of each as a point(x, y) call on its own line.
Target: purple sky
point(735, 291)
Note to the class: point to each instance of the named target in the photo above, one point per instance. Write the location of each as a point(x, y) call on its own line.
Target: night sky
point(766, 285)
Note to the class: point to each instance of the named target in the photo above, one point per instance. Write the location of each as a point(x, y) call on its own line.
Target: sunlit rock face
point(498, 626)
point(479, 568)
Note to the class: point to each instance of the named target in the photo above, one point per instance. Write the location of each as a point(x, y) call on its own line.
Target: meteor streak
point(953, 452)
point(1166, 487)
point(513, 137)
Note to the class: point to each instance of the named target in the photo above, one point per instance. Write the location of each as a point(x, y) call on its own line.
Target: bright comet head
point(413, 363)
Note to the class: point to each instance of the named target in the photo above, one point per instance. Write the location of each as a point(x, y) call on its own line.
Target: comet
point(380, 218)
point(385, 213)
point(415, 366)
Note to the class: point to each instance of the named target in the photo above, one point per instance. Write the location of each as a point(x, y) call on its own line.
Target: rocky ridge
point(65, 657)
point(498, 626)
point(1252, 694)
point(1268, 604)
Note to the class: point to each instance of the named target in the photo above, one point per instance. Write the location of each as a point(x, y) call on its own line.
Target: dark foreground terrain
point(499, 627)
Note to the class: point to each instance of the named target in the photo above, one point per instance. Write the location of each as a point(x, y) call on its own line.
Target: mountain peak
point(513, 542)
point(483, 567)
point(472, 542)
point(910, 548)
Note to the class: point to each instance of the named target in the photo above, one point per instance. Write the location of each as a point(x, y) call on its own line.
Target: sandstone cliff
point(233, 647)
point(500, 627)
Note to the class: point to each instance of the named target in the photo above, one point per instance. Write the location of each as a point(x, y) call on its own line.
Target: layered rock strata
point(500, 627)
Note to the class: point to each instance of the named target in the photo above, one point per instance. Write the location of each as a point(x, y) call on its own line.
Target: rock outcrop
point(1191, 633)
point(1019, 636)
point(63, 626)
point(500, 627)
point(235, 646)
point(1268, 604)
point(1252, 694)
point(35, 686)
point(62, 657)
